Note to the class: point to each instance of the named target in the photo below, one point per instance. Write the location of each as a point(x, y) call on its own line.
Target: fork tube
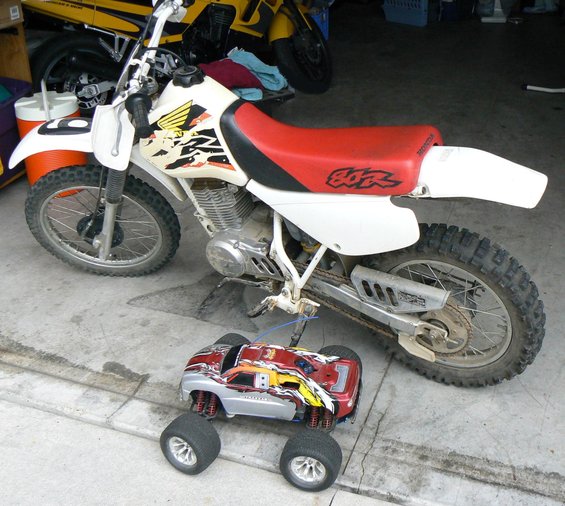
point(114, 189)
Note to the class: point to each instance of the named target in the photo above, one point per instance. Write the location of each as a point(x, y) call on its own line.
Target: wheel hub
point(182, 451)
point(455, 322)
point(308, 469)
point(88, 228)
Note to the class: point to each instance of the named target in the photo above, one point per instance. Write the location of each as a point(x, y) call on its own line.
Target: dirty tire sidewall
point(497, 270)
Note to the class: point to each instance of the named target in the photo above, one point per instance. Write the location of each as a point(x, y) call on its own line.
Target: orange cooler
point(30, 112)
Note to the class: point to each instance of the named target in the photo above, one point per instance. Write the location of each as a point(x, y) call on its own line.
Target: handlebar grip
point(138, 106)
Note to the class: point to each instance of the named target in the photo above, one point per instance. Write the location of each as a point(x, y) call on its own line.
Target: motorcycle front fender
point(69, 134)
point(282, 26)
point(448, 171)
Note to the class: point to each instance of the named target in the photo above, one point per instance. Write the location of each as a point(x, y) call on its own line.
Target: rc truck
point(270, 381)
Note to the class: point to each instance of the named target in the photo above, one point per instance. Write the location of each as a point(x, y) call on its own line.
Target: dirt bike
point(86, 60)
point(305, 214)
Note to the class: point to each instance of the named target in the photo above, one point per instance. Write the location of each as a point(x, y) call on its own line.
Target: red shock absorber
point(327, 419)
point(314, 417)
point(200, 401)
point(212, 408)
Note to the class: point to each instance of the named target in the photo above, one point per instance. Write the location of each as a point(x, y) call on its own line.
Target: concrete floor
point(110, 351)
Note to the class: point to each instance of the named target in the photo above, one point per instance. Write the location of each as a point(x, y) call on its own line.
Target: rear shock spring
point(327, 420)
point(212, 408)
point(200, 401)
point(314, 418)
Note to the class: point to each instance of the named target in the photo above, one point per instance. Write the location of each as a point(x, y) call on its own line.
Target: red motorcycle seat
point(359, 160)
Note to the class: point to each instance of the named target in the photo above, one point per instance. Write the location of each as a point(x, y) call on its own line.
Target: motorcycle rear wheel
point(494, 318)
point(60, 214)
point(305, 60)
point(50, 63)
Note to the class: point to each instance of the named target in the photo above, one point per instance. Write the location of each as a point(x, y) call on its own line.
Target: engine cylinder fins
point(226, 205)
point(396, 294)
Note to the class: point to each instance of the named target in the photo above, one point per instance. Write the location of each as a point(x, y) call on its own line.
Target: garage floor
point(110, 351)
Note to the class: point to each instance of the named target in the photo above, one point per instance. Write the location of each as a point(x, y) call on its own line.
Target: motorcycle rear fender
point(70, 134)
point(282, 26)
point(448, 171)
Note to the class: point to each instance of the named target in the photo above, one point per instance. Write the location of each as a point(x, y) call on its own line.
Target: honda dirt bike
point(303, 213)
point(86, 59)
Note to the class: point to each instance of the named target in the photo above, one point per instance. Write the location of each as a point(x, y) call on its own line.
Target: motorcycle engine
point(244, 233)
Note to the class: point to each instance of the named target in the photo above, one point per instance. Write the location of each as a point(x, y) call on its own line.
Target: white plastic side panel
point(466, 172)
point(349, 224)
point(34, 143)
point(168, 182)
point(202, 144)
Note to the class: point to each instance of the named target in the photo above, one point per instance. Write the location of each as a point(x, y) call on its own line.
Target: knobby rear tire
point(496, 274)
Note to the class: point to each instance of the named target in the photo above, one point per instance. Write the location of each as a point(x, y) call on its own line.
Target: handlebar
point(138, 106)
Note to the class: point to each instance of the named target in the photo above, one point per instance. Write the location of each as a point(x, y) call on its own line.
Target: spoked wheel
point(493, 317)
point(51, 64)
point(62, 214)
point(311, 460)
point(190, 443)
point(304, 58)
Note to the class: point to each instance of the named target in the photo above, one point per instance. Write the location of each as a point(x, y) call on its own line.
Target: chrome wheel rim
point(308, 470)
point(62, 212)
point(473, 306)
point(181, 451)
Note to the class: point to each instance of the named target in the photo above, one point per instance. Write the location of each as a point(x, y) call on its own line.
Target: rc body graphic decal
point(273, 376)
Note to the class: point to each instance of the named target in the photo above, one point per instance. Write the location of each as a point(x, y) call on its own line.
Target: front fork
point(115, 184)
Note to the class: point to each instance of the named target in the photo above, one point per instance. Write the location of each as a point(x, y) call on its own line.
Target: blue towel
point(270, 76)
point(250, 94)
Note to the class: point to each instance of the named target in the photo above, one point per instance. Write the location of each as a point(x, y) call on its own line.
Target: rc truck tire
point(190, 443)
point(311, 460)
point(233, 339)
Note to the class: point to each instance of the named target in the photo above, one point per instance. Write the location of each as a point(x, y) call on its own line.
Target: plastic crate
point(9, 136)
point(407, 12)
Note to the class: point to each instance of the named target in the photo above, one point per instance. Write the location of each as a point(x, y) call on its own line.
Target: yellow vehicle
point(97, 34)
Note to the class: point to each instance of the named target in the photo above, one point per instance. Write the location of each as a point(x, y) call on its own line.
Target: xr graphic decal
point(361, 179)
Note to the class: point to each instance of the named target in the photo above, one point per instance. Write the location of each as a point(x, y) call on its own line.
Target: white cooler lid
point(60, 105)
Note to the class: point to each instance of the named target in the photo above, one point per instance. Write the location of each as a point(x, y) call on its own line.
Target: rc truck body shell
point(272, 381)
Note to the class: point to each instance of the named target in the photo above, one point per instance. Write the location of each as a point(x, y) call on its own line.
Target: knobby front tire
point(60, 214)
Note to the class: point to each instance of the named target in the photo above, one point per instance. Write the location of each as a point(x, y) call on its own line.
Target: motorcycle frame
point(440, 176)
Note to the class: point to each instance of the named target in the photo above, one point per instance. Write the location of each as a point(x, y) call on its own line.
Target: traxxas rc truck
point(269, 381)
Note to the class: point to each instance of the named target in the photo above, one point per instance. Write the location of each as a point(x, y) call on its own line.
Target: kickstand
point(300, 325)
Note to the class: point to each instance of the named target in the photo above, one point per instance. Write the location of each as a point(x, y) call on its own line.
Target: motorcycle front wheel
point(61, 214)
point(304, 59)
point(49, 63)
point(493, 317)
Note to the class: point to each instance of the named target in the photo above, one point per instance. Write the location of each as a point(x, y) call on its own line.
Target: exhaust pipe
point(104, 68)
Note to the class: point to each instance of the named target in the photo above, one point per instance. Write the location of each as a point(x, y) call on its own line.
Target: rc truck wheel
point(233, 339)
point(311, 461)
point(190, 443)
point(342, 352)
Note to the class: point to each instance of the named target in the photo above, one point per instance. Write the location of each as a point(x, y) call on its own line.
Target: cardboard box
point(10, 13)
